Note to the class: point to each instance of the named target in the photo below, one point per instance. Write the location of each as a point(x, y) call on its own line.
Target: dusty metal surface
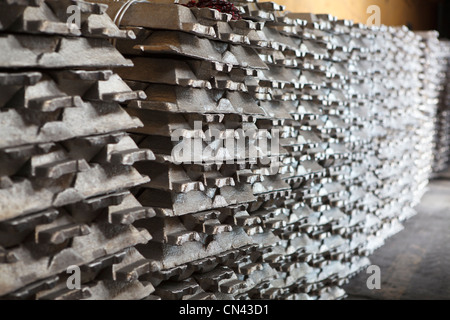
point(350, 167)
point(65, 156)
point(439, 54)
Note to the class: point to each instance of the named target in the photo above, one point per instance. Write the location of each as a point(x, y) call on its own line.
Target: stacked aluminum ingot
point(305, 243)
point(445, 97)
point(351, 107)
point(437, 59)
point(65, 158)
point(404, 129)
point(193, 65)
point(443, 136)
point(419, 98)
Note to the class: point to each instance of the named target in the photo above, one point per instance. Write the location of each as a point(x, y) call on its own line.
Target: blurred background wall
point(417, 14)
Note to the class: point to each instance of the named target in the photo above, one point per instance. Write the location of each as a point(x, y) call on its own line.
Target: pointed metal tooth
point(128, 216)
point(83, 75)
point(228, 255)
point(96, 203)
point(178, 238)
point(30, 221)
point(50, 105)
point(129, 157)
point(30, 290)
point(58, 235)
point(176, 290)
point(133, 271)
point(211, 280)
point(66, 294)
point(232, 286)
point(203, 296)
point(250, 268)
point(57, 169)
point(104, 262)
point(170, 273)
point(204, 265)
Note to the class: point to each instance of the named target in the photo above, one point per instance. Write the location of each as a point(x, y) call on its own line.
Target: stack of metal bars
point(316, 92)
point(192, 64)
point(440, 51)
point(445, 98)
point(308, 267)
point(352, 108)
point(65, 158)
point(373, 205)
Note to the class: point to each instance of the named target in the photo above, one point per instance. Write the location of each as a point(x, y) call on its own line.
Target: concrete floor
point(415, 264)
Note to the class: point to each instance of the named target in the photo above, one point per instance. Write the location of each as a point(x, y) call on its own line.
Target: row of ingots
point(90, 182)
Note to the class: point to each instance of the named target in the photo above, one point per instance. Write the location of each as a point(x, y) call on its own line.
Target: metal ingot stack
point(445, 97)
point(305, 243)
point(351, 63)
point(65, 158)
point(194, 64)
point(404, 126)
point(425, 94)
point(437, 58)
point(344, 134)
point(348, 112)
point(444, 109)
point(276, 89)
point(344, 138)
point(339, 191)
point(395, 160)
point(367, 94)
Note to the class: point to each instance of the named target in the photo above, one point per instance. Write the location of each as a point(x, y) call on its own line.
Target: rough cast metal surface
point(438, 74)
point(355, 107)
point(66, 160)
